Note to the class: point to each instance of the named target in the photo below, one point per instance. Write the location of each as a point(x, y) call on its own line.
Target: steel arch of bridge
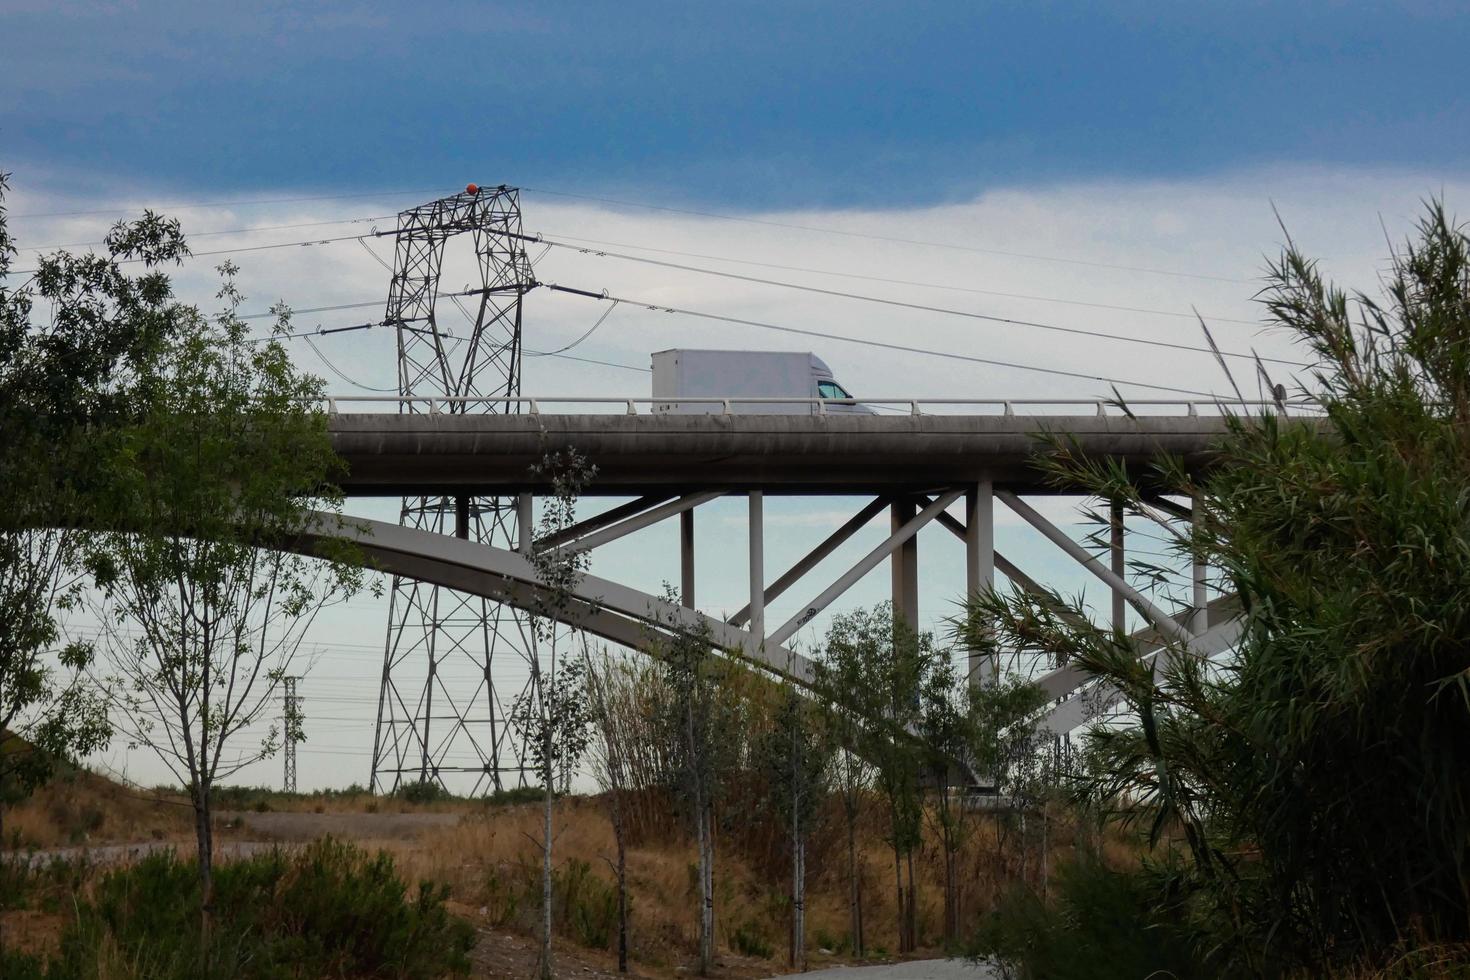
point(631, 617)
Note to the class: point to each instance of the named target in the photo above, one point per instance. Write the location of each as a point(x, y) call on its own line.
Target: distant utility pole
point(292, 721)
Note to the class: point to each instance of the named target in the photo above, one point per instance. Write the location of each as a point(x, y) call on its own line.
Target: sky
point(1124, 169)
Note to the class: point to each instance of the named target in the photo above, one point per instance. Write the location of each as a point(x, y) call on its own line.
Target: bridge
point(918, 461)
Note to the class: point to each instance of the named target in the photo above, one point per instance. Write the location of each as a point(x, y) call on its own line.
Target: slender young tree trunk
point(2, 845)
point(204, 839)
point(952, 892)
point(622, 884)
point(798, 894)
point(854, 884)
point(1045, 888)
point(898, 891)
point(910, 911)
point(546, 971)
point(707, 890)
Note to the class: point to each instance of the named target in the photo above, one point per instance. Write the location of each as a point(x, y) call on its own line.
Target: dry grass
point(488, 853)
point(492, 854)
point(81, 807)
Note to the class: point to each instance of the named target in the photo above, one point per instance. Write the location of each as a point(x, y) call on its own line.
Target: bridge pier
point(757, 622)
point(979, 561)
point(686, 558)
point(904, 565)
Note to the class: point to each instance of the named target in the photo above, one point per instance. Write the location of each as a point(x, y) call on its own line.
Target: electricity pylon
point(440, 709)
point(292, 711)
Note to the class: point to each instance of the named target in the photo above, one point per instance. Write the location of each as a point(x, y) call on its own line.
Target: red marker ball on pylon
point(472, 188)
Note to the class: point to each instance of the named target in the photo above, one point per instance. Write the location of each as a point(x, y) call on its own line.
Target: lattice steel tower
point(440, 711)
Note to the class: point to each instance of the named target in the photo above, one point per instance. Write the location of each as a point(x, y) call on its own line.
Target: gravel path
point(916, 970)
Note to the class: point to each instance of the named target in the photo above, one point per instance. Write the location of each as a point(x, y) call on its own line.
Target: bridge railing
point(605, 405)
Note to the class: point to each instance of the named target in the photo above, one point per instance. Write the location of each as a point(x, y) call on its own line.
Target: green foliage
point(1317, 777)
point(872, 672)
point(1097, 924)
point(515, 796)
point(421, 791)
point(328, 910)
point(225, 463)
point(795, 759)
point(66, 379)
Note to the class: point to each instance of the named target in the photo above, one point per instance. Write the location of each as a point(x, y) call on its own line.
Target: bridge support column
point(979, 560)
point(525, 524)
point(686, 558)
point(904, 566)
point(1199, 621)
point(1118, 562)
point(462, 517)
point(757, 625)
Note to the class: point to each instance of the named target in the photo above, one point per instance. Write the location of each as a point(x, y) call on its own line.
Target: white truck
point(738, 374)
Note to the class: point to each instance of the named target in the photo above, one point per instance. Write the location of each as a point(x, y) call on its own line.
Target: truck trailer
point(737, 374)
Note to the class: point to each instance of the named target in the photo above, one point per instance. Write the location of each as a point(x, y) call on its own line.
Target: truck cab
point(738, 374)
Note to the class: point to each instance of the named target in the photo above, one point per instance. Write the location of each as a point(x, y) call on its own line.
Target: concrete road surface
point(916, 970)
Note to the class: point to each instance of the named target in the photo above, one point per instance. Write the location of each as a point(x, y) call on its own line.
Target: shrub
point(1097, 924)
point(515, 795)
point(21, 966)
point(584, 906)
point(421, 792)
point(328, 910)
point(749, 939)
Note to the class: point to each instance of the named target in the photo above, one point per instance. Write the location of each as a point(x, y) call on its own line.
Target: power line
point(340, 373)
point(948, 355)
point(327, 332)
point(229, 231)
point(590, 331)
point(242, 248)
point(886, 238)
point(923, 307)
point(188, 206)
point(910, 282)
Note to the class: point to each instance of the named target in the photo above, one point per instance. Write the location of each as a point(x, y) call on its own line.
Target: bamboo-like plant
point(1317, 776)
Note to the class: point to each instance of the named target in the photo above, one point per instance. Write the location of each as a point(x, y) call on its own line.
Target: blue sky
point(745, 104)
point(1114, 170)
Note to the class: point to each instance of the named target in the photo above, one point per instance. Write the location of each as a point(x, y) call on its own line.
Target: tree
point(552, 715)
point(792, 753)
point(612, 775)
point(1317, 775)
point(227, 460)
point(945, 729)
point(700, 719)
point(839, 682)
point(65, 383)
point(872, 672)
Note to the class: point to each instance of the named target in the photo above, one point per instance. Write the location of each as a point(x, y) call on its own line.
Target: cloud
point(1206, 241)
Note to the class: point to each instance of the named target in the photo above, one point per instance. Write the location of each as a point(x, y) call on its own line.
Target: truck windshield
point(831, 389)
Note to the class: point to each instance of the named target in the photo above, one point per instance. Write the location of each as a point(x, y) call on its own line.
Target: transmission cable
point(887, 238)
point(948, 355)
point(185, 206)
point(228, 231)
point(923, 307)
point(905, 282)
point(242, 248)
point(453, 341)
point(605, 314)
point(340, 373)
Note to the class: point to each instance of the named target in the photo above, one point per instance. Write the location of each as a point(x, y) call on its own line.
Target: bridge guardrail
point(1007, 407)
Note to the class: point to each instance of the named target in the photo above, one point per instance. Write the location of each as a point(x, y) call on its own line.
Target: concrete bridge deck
point(492, 454)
